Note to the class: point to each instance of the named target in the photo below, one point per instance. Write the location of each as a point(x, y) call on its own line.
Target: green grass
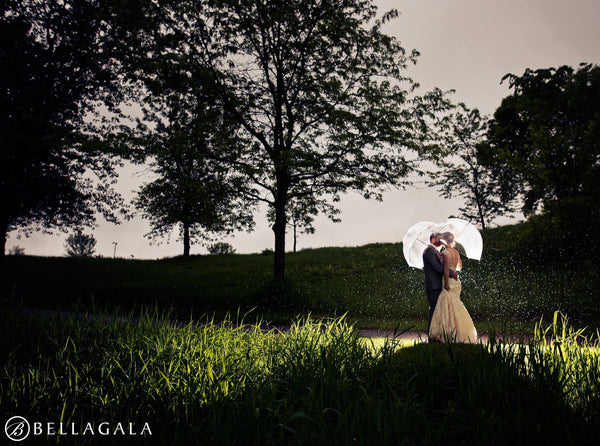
point(508, 290)
point(316, 384)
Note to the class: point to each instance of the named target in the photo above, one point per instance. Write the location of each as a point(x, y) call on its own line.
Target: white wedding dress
point(451, 320)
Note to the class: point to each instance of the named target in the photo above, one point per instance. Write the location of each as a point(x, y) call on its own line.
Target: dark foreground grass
point(316, 384)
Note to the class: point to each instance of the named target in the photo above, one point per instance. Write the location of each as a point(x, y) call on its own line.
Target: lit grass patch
point(318, 383)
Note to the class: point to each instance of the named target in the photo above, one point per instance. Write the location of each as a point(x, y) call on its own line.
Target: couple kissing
point(448, 320)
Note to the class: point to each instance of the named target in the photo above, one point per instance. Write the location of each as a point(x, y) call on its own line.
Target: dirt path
point(421, 336)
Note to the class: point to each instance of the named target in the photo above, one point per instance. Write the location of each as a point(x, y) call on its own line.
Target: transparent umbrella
point(415, 241)
point(467, 237)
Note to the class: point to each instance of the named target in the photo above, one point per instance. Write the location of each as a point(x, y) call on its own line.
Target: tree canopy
point(54, 171)
point(316, 88)
point(547, 136)
point(464, 171)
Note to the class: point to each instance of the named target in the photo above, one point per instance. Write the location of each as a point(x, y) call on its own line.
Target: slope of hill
point(371, 283)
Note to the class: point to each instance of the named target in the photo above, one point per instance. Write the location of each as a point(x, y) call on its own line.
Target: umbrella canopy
point(415, 241)
point(466, 235)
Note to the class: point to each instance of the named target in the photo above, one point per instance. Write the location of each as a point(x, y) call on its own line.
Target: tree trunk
point(279, 230)
point(2, 250)
point(186, 240)
point(3, 231)
point(3, 245)
point(280, 160)
point(295, 235)
point(479, 202)
point(480, 211)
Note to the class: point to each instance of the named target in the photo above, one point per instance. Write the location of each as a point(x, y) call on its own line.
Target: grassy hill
point(319, 382)
point(372, 283)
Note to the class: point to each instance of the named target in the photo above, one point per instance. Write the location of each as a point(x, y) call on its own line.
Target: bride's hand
point(447, 286)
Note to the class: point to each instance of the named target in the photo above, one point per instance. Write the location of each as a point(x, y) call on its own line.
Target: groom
point(433, 266)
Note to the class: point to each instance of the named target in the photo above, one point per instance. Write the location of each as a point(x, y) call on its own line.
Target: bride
point(451, 320)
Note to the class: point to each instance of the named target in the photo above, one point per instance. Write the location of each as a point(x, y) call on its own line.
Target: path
point(421, 336)
point(413, 335)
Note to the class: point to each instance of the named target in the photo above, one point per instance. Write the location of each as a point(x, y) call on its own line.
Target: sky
point(466, 46)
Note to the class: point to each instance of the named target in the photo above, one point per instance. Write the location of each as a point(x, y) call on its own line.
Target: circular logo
point(17, 428)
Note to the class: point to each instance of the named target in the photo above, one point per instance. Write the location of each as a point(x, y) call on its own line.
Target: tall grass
point(318, 383)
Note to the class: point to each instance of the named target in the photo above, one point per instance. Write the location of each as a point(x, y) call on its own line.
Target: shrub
point(16, 251)
point(220, 248)
point(80, 245)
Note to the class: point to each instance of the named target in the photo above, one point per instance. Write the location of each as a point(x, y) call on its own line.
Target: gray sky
point(465, 45)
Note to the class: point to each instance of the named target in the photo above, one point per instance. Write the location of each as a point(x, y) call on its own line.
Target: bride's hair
point(448, 237)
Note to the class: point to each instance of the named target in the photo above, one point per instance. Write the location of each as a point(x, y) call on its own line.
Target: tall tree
point(185, 135)
point(465, 172)
point(54, 172)
point(546, 136)
point(302, 213)
point(316, 86)
point(191, 191)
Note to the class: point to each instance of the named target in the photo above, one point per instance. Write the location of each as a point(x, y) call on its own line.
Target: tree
point(57, 68)
point(189, 195)
point(546, 137)
point(191, 190)
point(316, 87)
point(220, 248)
point(184, 129)
point(80, 245)
point(465, 173)
point(302, 213)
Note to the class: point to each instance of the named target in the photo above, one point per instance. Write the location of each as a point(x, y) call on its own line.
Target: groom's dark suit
point(433, 267)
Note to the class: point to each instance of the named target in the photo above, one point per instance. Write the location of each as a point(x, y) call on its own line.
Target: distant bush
point(267, 252)
point(16, 251)
point(220, 248)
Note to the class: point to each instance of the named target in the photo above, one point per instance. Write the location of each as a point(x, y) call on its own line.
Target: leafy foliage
point(465, 172)
point(547, 136)
point(220, 248)
point(80, 245)
point(16, 251)
point(316, 89)
point(57, 67)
